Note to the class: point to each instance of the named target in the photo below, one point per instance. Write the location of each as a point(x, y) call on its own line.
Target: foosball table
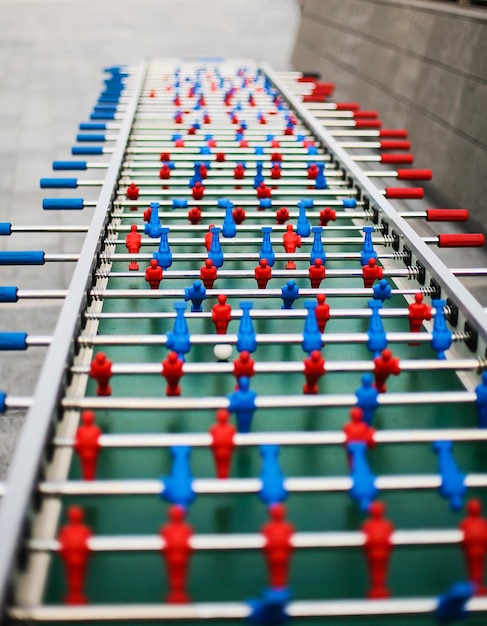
point(265, 399)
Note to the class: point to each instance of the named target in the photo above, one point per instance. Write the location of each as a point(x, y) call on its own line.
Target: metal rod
point(215, 486)
point(266, 402)
point(294, 438)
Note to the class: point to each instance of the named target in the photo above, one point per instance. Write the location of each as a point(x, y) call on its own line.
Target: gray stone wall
point(423, 66)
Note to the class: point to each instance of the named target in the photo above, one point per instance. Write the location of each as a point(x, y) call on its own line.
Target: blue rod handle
point(86, 150)
point(82, 137)
point(113, 97)
point(69, 165)
point(102, 116)
point(61, 204)
point(19, 257)
point(59, 183)
point(5, 228)
point(13, 341)
point(105, 108)
point(3, 401)
point(92, 126)
point(8, 294)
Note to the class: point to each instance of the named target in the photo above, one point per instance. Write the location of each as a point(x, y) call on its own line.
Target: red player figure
point(206, 119)
point(172, 370)
point(74, 551)
point(314, 368)
point(418, 312)
point(101, 371)
point(384, 366)
point(313, 171)
point(290, 240)
point(327, 215)
point(282, 215)
point(222, 443)
point(209, 237)
point(152, 94)
point(378, 548)
point(198, 191)
point(87, 444)
point(276, 171)
point(243, 143)
point(239, 172)
point(221, 314)
point(194, 215)
point(262, 120)
point(358, 430)
point(132, 192)
point(275, 143)
point(165, 172)
point(263, 273)
point(153, 274)
point(133, 241)
point(243, 365)
point(474, 544)
point(176, 535)
point(316, 273)
point(263, 191)
point(203, 171)
point(220, 157)
point(278, 545)
point(178, 118)
point(165, 156)
point(208, 274)
point(322, 312)
point(239, 215)
point(371, 272)
point(147, 213)
point(179, 143)
point(276, 157)
point(192, 130)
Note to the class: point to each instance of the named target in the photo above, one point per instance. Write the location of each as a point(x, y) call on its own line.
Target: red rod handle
point(307, 79)
point(446, 215)
point(391, 144)
point(368, 123)
point(414, 174)
point(405, 193)
point(324, 88)
point(468, 240)
point(365, 114)
point(405, 159)
point(347, 106)
point(394, 132)
point(313, 98)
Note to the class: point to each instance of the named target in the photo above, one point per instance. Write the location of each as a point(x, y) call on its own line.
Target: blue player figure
point(153, 228)
point(215, 252)
point(442, 337)
point(481, 401)
point(303, 227)
point(164, 255)
point(242, 403)
point(229, 228)
point(266, 251)
point(367, 398)
point(367, 251)
point(246, 339)
point(289, 293)
point(320, 180)
point(311, 333)
point(382, 290)
point(179, 340)
point(317, 250)
point(196, 293)
point(377, 335)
